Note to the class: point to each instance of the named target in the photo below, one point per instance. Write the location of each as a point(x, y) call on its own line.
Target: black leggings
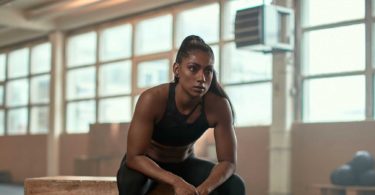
point(192, 170)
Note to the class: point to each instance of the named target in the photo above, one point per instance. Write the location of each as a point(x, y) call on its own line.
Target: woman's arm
point(226, 144)
point(139, 137)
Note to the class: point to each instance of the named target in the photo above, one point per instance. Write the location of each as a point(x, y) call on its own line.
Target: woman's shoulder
point(155, 95)
point(215, 101)
point(217, 108)
point(157, 91)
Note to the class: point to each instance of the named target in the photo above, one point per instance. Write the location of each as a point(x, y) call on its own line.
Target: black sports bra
point(173, 129)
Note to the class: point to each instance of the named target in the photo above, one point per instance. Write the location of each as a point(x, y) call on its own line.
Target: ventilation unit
point(265, 28)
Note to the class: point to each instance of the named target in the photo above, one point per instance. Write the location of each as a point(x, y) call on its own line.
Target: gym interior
point(302, 85)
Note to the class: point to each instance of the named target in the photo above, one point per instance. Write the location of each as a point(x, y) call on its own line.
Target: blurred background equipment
point(359, 171)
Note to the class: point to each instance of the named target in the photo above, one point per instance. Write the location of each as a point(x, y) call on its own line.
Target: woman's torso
point(174, 133)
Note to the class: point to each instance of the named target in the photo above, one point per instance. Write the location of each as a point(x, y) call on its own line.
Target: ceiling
point(21, 20)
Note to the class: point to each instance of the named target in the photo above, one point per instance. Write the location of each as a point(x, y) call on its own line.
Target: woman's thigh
point(132, 182)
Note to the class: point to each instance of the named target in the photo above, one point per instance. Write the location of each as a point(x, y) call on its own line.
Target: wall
point(317, 149)
point(253, 158)
point(71, 147)
point(24, 156)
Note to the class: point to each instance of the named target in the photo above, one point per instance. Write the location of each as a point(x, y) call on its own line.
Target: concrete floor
point(11, 189)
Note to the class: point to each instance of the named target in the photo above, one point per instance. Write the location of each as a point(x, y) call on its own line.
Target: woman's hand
point(181, 187)
point(202, 190)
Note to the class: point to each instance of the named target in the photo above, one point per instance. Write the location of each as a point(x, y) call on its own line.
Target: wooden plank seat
point(80, 185)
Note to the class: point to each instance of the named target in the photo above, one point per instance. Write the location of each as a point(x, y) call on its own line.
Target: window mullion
point(369, 73)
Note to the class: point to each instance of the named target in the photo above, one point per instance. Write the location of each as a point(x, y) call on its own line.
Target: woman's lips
point(199, 88)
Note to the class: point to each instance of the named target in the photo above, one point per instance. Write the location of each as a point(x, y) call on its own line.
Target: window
point(115, 109)
point(115, 78)
point(80, 86)
point(14, 97)
point(81, 83)
point(333, 61)
point(252, 103)
point(81, 49)
point(17, 103)
point(197, 21)
point(242, 65)
point(157, 41)
point(79, 115)
point(24, 89)
point(39, 119)
point(18, 63)
point(17, 121)
point(2, 67)
point(151, 73)
point(41, 58)
point(334, 99)
point(345, 46)
point(320, 11)
point(110, 49)
point(98, 88)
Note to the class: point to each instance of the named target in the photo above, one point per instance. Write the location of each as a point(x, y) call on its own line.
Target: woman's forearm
point(219, 174)
point(149, 168)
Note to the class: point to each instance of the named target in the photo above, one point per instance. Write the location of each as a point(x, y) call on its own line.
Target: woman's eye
point(192, 68)
point(209, 71)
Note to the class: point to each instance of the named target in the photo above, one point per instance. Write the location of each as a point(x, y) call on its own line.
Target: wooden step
point(73, 185)
point(80, 185)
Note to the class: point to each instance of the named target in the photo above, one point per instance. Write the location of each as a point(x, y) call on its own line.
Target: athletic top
point(173, 129)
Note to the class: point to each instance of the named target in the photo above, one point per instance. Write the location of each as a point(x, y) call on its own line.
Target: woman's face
point(195, 73)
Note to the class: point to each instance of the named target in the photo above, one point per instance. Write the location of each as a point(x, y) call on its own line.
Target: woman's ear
point(176, 69)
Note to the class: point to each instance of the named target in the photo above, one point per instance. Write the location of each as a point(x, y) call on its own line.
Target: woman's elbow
point(131, 160)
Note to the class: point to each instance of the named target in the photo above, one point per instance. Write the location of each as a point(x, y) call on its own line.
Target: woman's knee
point(130, 181)
point(234, 185)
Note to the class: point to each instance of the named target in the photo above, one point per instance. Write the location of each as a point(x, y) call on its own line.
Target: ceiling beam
point(12, 36)
point(14, 18)
point(59, 8)
point(110, 10)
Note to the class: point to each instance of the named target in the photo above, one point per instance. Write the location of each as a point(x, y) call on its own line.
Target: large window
point(98, 88)
point(334, 72)
point(25, 90)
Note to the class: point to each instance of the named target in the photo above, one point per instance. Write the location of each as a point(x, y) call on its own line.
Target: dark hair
point(191, 43)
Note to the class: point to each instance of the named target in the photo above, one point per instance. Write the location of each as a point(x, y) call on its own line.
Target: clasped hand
point(184, 188)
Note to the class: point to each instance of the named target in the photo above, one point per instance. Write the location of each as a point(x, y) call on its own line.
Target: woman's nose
point(201, 76)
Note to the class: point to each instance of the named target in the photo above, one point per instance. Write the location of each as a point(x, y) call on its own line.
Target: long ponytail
point(218, 90)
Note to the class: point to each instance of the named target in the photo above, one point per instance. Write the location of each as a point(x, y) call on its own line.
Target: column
point(56, 104)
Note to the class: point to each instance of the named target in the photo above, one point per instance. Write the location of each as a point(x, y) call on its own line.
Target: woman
point(167, 121)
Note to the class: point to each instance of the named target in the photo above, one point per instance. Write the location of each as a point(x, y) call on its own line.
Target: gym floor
point(11, 189)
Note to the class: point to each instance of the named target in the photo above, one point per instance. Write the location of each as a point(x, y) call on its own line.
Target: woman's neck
point(184, 100)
